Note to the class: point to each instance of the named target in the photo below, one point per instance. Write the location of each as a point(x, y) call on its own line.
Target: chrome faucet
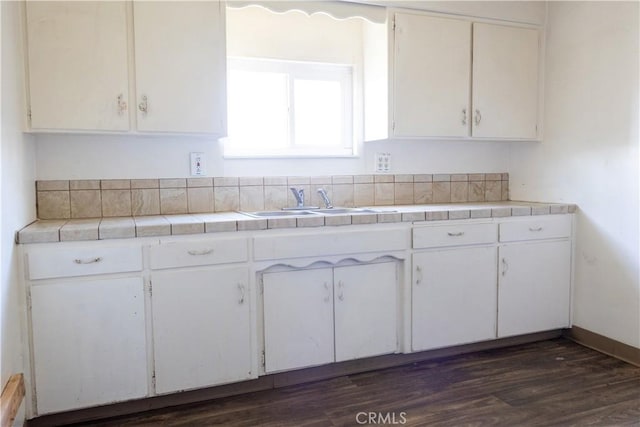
point(299, 195)
point(325, 198)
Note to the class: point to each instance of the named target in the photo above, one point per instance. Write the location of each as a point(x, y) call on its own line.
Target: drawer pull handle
point(202, 252)
point(478, 117)
point(340, 291)
point(505, 267)
point(328, 296)
point(241, 289)
point(535, 228)
point(458, 234)
point(87, 261)
point(418, 275)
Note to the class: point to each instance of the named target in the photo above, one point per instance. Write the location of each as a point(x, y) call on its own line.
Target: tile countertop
point(45, 231)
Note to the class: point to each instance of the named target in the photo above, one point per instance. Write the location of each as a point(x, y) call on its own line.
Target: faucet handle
point(299, 195)
point(325, 198)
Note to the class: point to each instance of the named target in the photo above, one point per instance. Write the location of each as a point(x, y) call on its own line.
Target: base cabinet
point(89, 345)
point(116, 321)
point(201, 328)
point(318, 316)
point(454, 297)
point(534, 287)
point(298, 319)
point(365, 310)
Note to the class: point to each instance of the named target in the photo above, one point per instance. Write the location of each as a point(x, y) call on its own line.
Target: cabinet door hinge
point(29, 115)
point(261, 284)
point(262, 359)
point(393, 25)
point(153, 380)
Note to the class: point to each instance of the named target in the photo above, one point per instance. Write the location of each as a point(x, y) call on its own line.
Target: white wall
point(590, 156)
point(109, 156)
point(17, 189)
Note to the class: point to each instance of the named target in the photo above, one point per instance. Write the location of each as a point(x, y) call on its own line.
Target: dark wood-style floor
point(549, 383)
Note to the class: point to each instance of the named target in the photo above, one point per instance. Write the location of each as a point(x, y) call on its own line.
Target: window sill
point(243, 156)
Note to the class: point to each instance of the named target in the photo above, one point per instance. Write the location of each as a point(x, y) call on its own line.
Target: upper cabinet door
point(431, 76)
point(83, 43)
point(180, 66)
point(505, 82)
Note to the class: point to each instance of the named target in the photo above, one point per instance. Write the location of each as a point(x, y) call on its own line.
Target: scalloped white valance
point(335, 9)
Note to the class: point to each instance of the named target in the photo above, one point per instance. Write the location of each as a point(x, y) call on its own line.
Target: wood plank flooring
point(549, 383)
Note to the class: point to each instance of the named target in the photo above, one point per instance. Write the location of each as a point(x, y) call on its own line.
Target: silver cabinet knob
point(144, 105)
point(122, 104)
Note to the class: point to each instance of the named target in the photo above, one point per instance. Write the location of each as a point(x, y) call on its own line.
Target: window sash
point(301, 71)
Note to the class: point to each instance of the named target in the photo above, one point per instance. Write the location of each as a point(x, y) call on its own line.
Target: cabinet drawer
point(454, 235)
point(198, 252)
point(47, 263)
point(535, 228)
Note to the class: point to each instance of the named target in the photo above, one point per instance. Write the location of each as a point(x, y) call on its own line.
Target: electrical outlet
point(197, 164)
point(383, 162)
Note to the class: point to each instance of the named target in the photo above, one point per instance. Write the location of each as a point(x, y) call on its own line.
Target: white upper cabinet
point(81, 65)
point(78, 73)
point(432, 70)
point(505, 82)
point(453, 78)
point(180, 66)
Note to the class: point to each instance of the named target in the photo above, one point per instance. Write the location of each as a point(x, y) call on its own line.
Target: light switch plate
point(383, 162)
point(197, 164)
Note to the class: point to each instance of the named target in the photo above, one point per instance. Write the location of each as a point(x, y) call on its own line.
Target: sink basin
point(338, 211)
point(276, 214)
point(315, 211)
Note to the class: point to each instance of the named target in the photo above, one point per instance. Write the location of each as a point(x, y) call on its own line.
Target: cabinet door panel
point(505, 81)
point(432, 73)
point(298, 319)
point(201, 328)
point(454, 297)
point(534, 287)
point(89, 343)
point(365, 310)
point(78, 65)
point(180, 66)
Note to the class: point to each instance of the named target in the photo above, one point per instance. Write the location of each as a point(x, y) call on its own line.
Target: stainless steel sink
point(338, 211)
point(277, 214)
point(315, 211)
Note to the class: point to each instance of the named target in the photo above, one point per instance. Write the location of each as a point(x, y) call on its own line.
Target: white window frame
point(344, 74)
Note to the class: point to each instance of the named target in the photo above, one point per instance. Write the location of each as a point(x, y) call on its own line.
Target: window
point(289, 108)
point(304, 78)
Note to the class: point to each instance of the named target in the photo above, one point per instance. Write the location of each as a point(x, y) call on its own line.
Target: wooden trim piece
point(611, 347)
point(280, 380)
point(11, 399)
